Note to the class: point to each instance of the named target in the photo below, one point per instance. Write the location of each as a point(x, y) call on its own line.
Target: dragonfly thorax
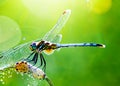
point(42, 45)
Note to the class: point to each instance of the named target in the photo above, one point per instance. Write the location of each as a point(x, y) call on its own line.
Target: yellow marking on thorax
point(49, 48)
point(48, 51)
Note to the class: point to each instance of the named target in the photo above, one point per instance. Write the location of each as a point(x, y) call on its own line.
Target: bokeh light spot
point(10, 33)
point(44, 7)
point(99, 6)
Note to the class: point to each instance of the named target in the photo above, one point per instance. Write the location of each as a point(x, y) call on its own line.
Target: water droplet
point(3, 77)
point(24, 38)
point(17, 73)
point(3, 82)
point(21, 74)
point(3, 73)
point(28, 85)
point(9, 76)
point(9, 72)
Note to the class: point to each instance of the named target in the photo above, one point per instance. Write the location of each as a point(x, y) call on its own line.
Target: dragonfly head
point(33, 46)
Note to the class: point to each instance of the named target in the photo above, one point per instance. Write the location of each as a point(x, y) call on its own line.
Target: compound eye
point(33, 46)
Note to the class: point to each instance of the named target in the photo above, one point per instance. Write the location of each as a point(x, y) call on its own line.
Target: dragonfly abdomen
point(81, 45)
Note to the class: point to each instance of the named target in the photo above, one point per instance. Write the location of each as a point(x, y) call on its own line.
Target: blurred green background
point(91, 21)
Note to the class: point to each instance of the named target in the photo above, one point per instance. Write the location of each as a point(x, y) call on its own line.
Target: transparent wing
point(59, 25)
point(57, 38)
point(13, 55)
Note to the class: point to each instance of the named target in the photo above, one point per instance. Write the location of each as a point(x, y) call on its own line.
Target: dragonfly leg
point(34, 59)
point(27, 59)
point(43, 61)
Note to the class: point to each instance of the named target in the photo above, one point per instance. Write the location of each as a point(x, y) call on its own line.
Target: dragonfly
point(48, 44)
point(51, 41)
